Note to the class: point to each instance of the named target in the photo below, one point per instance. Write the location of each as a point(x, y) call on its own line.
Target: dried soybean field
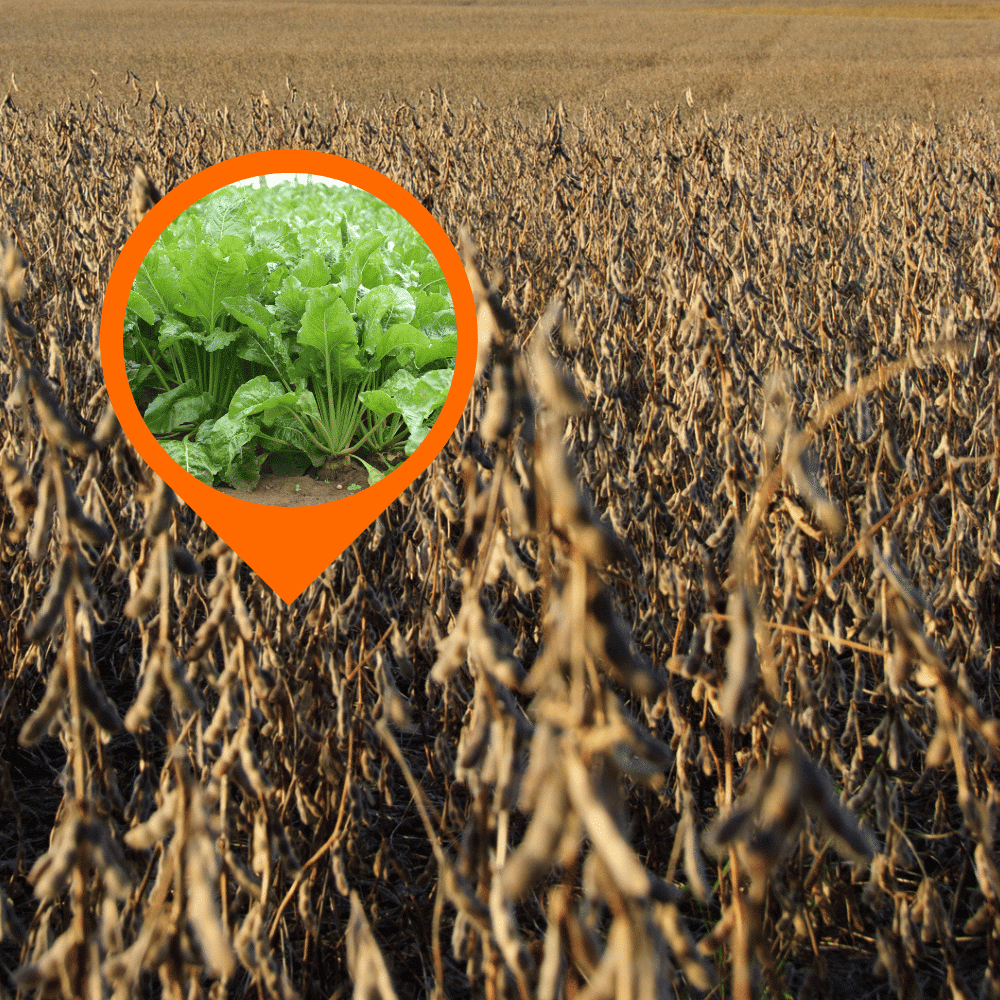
point(867, 58)
point(673, 675)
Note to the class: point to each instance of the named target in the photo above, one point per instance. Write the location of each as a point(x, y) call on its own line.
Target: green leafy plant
point(300, 323)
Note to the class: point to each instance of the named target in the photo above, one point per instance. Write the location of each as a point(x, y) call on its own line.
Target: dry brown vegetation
point(675, 672)
point(867, 58)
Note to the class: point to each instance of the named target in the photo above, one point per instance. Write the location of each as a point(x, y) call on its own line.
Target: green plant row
point(299, 322)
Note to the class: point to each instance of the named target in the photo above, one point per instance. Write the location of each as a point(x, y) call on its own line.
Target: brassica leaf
point(180, 409)
point(193, 458)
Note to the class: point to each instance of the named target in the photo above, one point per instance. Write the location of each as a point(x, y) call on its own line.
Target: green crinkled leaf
point(386, 305)
point(380, 403)
point(231, 244)
point(252, 349)
point(138, 304)
point(268, 348)
point(178, 409)
point(208, 278)
point(276, 237)
point(304, 406)
point(157, 281)
point(284, 432)
point(290, 301)
point(329, 328)
point(192, 458)
point(175, 329)
point(357, 257)
point(323, 235)
point(222, 216)
point(220, 338)
point(228, 438)
point(258, 395)
point(204, 432)
point(430, 277)
point(243, 472)
point(418, 399)
point(273, 282)
point(251, 312)
point(402, 341)
point(312, 271)
point(377, 271)
point(444, 349)
point(259, 261)
point(433, 313)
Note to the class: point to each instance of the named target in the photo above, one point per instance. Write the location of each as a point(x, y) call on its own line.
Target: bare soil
point(308, 490)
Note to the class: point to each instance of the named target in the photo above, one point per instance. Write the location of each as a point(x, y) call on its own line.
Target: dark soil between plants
point(317, 486)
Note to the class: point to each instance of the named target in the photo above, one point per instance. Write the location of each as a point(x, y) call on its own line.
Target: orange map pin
point(287, 546)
